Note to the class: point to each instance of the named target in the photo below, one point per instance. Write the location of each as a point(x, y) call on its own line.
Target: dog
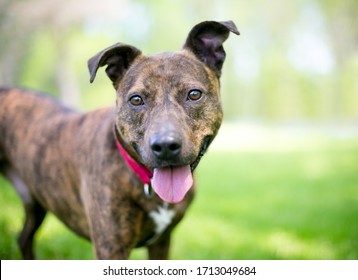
point(122, 176)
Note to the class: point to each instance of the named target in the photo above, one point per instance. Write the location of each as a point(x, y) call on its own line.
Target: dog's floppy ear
point(118, 59)
point(205, 41)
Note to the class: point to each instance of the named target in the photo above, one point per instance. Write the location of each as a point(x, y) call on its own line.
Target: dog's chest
point(161, 217)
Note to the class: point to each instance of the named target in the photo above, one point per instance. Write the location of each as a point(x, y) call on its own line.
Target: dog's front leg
point(160, 249)
point(113, 226)
point(114, 235)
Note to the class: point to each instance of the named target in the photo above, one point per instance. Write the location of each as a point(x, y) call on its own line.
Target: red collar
point(143, 173)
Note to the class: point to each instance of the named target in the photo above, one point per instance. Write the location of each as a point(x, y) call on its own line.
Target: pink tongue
point(172, 183)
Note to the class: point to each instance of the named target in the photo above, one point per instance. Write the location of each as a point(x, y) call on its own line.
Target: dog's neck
point(143, 173)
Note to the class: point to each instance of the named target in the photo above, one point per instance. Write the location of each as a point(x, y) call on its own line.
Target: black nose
point(166, 147)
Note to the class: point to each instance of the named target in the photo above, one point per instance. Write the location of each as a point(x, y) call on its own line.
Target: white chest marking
point(162, 218)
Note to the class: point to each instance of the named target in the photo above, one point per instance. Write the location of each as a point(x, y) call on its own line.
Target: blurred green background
point(281, 179)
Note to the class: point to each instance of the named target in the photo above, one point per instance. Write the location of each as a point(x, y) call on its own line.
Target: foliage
point(295, 60)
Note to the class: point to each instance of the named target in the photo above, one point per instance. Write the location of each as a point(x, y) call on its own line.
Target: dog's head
point(168, 104)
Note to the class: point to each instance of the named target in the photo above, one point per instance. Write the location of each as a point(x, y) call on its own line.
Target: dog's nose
point(166, 147)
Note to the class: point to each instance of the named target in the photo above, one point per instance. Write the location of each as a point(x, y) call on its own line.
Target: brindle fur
point(67, 163)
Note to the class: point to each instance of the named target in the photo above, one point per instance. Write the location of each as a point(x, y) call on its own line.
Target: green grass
point(249, 205)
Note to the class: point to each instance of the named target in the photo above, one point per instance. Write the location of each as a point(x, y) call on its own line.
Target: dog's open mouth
point(170, 183)
point(173, 182)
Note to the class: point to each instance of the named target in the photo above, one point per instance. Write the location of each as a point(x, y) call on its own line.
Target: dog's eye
point(194, 95)
point(136, 100)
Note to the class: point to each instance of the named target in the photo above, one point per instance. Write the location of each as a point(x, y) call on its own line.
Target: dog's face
point(168, 105)
point(168, 99)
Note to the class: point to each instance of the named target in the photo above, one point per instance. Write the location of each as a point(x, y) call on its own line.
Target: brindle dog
point(167, 113)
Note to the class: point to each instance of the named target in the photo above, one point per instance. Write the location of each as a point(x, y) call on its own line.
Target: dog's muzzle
point(172, 183)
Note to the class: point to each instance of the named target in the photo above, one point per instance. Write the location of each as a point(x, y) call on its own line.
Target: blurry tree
point(342, 22)
point(13, 43)
point(272, 72)
point(22, 20)
point(342, 19)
